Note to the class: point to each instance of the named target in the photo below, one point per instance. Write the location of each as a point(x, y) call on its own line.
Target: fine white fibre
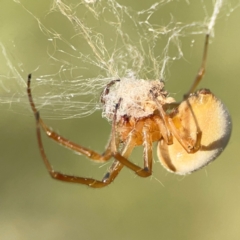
point(136, 99)
point(74, 48)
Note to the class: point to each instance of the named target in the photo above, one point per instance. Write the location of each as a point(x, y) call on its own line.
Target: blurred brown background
point(204, 205)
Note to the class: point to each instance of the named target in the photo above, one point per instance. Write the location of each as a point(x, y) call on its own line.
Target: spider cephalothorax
point(137, 98)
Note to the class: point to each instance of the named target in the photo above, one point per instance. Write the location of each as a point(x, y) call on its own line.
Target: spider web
point(74, 48)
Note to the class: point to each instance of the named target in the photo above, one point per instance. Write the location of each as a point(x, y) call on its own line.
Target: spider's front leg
point(63, 141)
point(115, 169)
point(70, 178)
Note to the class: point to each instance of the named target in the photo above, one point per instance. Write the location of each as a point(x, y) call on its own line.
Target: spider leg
point(107, 89)
point(189, 144)
point(127, 150)
point(163, 125)
point(202, 69)
point(70, 178)
point(169, 129)
point(147, 145)
point(63, 141)
point(121, 159)
point(108, 178)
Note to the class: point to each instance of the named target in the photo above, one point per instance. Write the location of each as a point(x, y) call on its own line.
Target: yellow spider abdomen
point(205, 111)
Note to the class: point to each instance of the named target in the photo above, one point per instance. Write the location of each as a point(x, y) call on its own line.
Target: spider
point(190, 133)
